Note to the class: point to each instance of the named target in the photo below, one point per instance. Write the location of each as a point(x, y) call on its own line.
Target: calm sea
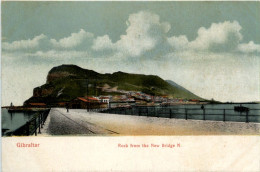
point(214, 112)
point(14, 120)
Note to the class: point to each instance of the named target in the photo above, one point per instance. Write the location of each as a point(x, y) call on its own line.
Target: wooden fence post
point(42, 119)
point(27, 128)
point(147, 111)
point(35, 126)
point(39, 120)
point(204, 115)
point(247, 117)
point(170, 113)
point(224, 115)
point(186, 114)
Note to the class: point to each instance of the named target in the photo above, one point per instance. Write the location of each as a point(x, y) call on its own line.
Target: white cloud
point(24, 44)
point(60, 54)
point(102, 42)
point(219, 37)
point(179, 43)
point(143, 33)
point(75, 39)
point(249, 48)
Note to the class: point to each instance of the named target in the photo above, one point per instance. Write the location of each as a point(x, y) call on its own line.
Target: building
point(104, 99)
point(61, 104)
point(85, 103)
point(37, 105)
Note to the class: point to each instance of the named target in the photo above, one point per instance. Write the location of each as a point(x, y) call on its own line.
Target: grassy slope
point(75, 84)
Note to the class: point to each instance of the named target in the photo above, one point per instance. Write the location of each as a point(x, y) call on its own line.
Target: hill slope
point(180, 87)
point(67, 82)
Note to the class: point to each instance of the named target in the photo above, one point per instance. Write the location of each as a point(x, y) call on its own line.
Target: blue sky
point(210, 48)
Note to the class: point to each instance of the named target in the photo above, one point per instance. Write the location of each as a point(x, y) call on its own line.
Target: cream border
point(196, 153)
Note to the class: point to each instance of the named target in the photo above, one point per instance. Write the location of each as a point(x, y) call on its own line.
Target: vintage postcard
point(130, 86)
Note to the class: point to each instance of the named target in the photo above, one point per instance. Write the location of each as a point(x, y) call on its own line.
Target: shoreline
point(25, 108)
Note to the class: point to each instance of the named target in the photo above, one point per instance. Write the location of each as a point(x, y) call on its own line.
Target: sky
point(210, 48)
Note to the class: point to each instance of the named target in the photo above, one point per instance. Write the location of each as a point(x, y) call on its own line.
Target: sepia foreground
point(81, 122)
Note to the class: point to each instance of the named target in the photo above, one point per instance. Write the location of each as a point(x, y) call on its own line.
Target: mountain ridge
point(66, 82)
point(177, 85)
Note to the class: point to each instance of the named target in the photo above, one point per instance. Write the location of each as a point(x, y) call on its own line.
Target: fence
point(97, 110)
point(190, 113)
point(31, 126)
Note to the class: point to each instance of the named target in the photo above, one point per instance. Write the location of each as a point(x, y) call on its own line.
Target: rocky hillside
point(67, 82)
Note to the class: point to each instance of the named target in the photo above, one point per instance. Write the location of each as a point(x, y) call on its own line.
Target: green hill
point(67, 82)
point(187, 92)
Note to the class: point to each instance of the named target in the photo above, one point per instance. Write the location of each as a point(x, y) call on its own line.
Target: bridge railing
point(253, 115)
point(33, 126)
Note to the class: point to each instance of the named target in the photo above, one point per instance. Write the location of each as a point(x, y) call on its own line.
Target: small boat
point(241, 109)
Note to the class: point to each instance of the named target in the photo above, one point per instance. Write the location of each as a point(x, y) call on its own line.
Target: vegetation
point(67, 82)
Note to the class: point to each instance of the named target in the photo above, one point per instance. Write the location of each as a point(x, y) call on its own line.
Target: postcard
point(130, 86)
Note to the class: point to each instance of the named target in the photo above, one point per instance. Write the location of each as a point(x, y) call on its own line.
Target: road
point(64, 123)
point(81, 122)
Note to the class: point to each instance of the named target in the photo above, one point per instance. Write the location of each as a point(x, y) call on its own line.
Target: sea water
point(214, 112)
point(13, 120)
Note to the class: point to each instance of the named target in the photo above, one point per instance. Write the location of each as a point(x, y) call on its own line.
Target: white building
point(104, 99)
